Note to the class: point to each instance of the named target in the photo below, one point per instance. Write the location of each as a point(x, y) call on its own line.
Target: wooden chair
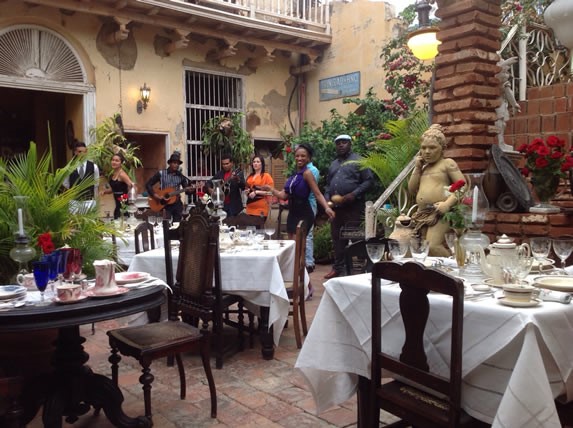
point(144, 237)
point(149, 342)
point(356, 258)
point(295, 288)
point(197, 302)
point(420, 398)
point(243, 220)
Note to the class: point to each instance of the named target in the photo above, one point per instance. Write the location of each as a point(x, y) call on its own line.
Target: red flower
point(556, 155)
point(522, 148)
point(457, 185)
point(525, 172)
point(541, 162)
point(45, 243)
point(542, 150)
point(288, 149)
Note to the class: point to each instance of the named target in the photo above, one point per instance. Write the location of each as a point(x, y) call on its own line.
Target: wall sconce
point(423, 42)
point(144, 92)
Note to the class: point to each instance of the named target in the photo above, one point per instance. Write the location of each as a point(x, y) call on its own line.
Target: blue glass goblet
point(41, 277)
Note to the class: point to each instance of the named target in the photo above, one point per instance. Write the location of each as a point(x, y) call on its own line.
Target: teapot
point(403, 226)
point(226, 236)
point(501, 253)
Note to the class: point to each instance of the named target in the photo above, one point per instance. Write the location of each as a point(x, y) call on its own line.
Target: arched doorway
point(44, 92)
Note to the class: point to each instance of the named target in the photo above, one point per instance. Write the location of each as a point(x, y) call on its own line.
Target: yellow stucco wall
point(359, 30)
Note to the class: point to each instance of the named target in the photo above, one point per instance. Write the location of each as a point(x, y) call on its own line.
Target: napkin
point(554, 296)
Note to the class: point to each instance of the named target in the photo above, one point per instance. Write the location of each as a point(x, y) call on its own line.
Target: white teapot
point(501, 253)
point(226, 236)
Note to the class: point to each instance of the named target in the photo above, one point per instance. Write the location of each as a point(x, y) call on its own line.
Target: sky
point(400, 4)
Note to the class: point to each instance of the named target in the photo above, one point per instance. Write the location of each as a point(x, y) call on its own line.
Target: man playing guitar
point(171, 184)
point(233, 184)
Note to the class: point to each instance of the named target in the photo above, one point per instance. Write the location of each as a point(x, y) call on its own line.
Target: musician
point(233, 184)
point(173, 180)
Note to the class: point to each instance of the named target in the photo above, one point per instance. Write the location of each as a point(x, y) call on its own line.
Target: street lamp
point(423, 42)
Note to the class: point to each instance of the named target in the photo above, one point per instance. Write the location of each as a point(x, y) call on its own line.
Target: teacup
point(26, 280)
point(520, 292)
point(68, 291)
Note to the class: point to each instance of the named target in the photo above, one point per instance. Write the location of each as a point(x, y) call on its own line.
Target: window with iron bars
point(207, 96)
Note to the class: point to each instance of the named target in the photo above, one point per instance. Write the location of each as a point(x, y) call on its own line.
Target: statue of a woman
point(431, 176)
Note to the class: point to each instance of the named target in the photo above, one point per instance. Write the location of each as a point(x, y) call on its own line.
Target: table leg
point(74, 388)
point(266, 335)
point(363, 402)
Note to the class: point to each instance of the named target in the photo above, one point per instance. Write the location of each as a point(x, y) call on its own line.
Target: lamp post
point(558, 17)
point(423, 42)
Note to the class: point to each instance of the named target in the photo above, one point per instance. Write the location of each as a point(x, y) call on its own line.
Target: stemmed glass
point(563, 247)
point(420, 248)
point(269, 231)
point(540, 248)
point(451, 241)
point(398, 249)
point(41, 277)
point(375, 252)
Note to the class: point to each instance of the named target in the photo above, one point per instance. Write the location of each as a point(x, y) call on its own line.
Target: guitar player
point(233, 184)
point(172, 181)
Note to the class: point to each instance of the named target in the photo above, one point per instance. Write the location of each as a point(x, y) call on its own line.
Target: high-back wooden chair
point(356, 257)
point(149, 342)
point(200, 299)
point(295, 288)
point(144, 237)
point(417, 396)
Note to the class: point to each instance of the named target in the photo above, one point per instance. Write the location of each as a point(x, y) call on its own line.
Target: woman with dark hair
point(297, 190)
point(258, 199)
point(119, 182)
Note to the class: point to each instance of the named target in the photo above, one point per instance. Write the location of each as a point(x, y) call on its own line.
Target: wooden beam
point(228, 49)
point(181, 41)
point(121, 34)
point(265, 59)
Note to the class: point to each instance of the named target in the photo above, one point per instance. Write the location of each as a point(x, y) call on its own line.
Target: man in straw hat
point(171, 184)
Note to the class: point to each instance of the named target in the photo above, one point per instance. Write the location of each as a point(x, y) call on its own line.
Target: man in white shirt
point(85, 170)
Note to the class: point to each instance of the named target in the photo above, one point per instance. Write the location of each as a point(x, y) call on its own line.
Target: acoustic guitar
point(168, 197)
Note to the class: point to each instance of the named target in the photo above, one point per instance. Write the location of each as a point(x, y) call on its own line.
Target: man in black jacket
point(85, 171)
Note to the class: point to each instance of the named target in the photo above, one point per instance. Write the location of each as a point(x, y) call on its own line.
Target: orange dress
point(260, 204)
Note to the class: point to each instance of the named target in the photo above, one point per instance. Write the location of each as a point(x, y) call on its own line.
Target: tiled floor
point(250, 391)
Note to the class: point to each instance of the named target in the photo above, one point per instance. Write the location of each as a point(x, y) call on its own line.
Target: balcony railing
point(302, 13)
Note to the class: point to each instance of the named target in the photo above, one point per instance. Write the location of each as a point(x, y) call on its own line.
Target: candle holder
point(22, 253)
point(473, 241)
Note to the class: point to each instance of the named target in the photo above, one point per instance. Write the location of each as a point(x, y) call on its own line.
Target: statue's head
point(435, 135)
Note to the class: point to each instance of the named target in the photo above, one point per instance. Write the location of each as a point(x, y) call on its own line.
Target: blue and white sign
point(345, 85)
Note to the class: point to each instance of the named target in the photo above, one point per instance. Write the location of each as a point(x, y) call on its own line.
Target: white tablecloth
point(256, 275)
point(515, 361)
point(126, 244)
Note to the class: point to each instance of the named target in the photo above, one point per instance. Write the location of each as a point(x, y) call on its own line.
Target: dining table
point(255, 272)
point(516, 360)
point(125, 243)
point(72, 388)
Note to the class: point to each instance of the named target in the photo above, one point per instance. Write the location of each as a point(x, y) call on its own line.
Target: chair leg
point(251, 330)
point(205, 357)
point(114, 359)
point(146, 379)
point(182, 382)
point(296, 320)
point(303, 315)
point(241, 324)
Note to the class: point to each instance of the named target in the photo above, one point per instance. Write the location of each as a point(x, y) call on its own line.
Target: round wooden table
point(72, 389)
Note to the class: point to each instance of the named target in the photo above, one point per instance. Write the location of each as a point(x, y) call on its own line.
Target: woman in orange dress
point(258, 200)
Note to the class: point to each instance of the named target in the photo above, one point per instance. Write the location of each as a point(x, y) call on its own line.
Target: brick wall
point(547, 111)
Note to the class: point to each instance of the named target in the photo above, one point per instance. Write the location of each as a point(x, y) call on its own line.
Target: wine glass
point(41, 277)
point(419, 248)
point(398, 249)
point(269, 231)
point(450, 241)
point(375, 251)
point(563, 247)
point(540, 248)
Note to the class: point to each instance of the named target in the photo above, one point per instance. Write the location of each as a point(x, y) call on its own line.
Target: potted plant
point(226, 134)
point(323, 249)
point(31, 175)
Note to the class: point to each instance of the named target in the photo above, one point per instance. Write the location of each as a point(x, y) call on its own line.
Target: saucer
point(516, 304)
point(130, 277)
point(120, 291)
point(555, 282)
point(481, 287)
point(67, 302)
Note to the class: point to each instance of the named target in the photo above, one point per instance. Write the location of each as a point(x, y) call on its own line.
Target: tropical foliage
point(226, 134)
point(30, 175)
point(108, 140)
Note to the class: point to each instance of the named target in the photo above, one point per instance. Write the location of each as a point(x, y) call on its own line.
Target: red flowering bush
point(45, 243)
point(546, 162)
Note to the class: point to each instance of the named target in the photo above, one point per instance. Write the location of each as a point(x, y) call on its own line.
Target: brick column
point(466, 93)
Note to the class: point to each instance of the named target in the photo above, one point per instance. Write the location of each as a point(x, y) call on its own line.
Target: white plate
point(11, 291)
point(546, 264)
point(554, 282)
point(515, 304)
point(130, 277)
point(481, 287)
point(67, 302)
point(118, 292)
